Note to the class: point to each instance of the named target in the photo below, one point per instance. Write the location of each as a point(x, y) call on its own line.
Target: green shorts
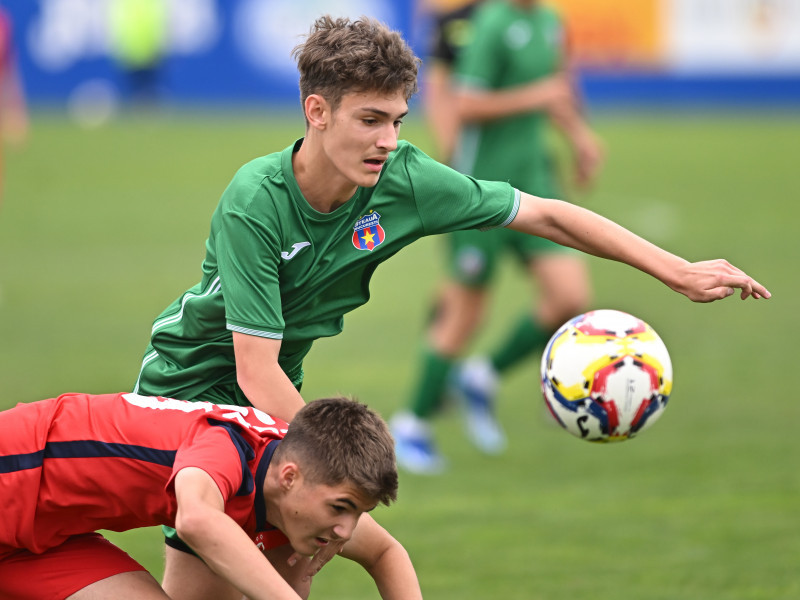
point(474, 255)
point(172, 540)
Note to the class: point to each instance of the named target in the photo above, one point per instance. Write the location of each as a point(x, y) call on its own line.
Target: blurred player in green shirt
point(298, 234)
point(504, 65)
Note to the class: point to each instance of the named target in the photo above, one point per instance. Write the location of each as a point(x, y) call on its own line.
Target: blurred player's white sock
point(414, 445)
point(475, 383)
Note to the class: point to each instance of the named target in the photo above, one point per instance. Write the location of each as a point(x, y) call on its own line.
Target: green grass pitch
point(100, 229)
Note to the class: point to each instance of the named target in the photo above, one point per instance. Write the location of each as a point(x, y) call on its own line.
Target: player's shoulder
point(411, 167)
point(262, 167)
point(491, 19)
point(407, 156)
point(491, 10)
point(458, 15)
point(259, 177)
point(403, 148)
point(452, 32)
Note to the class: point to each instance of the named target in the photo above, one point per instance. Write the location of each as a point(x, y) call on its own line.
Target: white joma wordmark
point(295, 249)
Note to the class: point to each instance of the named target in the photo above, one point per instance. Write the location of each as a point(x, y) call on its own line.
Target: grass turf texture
point(100, 229)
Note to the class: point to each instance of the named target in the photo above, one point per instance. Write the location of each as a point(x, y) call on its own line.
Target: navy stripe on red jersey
point(85, 449)
point(97, 449)
point(246, 454)
point(21, 462)
point(261, 475)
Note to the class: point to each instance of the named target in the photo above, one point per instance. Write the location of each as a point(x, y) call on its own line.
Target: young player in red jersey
point(223, 476)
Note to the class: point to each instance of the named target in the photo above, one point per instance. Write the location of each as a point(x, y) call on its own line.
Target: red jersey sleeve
point(220, 452)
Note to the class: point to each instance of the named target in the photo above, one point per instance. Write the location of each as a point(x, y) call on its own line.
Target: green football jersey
point(277, 268)
point(511, 46)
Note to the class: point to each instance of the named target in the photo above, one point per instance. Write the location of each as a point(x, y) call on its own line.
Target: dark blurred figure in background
point(450, 33)
point(13, 109)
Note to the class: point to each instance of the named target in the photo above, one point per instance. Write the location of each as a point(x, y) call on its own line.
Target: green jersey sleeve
point(248, 255)
point(450, 201)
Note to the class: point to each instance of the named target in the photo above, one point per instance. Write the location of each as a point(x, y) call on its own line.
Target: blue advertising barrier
point(239, 51)
point(216, 51)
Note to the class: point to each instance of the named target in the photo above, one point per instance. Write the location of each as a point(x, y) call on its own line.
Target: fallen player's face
point(364, 130)
point(319, 514)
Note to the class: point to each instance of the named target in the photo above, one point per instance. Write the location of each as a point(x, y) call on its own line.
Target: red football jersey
point(78, 463)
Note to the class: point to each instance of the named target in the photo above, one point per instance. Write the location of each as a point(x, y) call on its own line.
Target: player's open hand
point(711, 280)
point(319, 560)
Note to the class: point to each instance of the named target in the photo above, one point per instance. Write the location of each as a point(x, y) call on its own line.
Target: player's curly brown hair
point(339, 440)
point(340, 56)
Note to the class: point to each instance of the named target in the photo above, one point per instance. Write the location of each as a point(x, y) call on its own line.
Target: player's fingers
point(760, 290)
point(292, 560)
point(716, 279)
point(747, 285)
point(321, 558)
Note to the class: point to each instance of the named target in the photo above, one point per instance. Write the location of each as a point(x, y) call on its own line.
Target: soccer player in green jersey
point(505, 66)
point(298, 234)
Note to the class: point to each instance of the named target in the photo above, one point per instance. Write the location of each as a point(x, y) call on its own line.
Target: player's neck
point(273, 493)
point(321, 184)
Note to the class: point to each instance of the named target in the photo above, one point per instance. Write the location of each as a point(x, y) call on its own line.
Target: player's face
point(364, 130)
point(320, 514)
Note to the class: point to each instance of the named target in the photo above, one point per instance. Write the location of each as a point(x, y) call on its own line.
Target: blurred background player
point(13, 109)
point(498, 74)
point(240, 488)
point(138, 35)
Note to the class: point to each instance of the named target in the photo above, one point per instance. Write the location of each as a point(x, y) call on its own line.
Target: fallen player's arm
point(574, 226)
point(385, 559)
point(220, 542)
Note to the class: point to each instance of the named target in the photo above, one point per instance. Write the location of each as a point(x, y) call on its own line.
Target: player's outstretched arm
point(385, 559)
point(589, 232)
point(220, 542)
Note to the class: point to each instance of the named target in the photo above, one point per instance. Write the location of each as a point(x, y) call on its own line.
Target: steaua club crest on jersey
point(368, 233)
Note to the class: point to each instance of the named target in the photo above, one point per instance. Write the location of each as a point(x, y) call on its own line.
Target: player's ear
point(288, 475)
point(318, 111)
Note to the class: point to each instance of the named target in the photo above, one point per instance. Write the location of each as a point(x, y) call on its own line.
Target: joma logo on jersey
point(368, 233)
point(295, 249)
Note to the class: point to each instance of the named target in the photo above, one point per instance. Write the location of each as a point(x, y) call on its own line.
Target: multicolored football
point(606, 376)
